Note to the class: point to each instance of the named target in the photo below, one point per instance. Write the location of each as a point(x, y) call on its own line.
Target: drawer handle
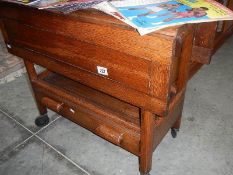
point(110, 134)
point(53, 105)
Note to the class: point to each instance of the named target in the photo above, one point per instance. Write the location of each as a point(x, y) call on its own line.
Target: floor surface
point(204, 145)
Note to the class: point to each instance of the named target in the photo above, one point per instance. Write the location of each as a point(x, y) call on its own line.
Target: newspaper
point(107, 8)
point(69, 7)
point(151, 15)
point(64, 6)
point(46, 4)
point(25, 2)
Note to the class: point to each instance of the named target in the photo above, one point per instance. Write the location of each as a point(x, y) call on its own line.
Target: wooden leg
point(41, 107)
point(177, 124)
point(146, 144)
point(175, 128)
point(43, 119)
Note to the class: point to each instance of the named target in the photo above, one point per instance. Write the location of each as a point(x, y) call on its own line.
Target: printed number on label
point(102, 70)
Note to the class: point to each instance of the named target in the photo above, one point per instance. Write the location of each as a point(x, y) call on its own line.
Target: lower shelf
point(106, 116)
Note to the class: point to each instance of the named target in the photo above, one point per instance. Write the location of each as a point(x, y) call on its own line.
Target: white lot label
point(102, 70)
point(71, 110)
point(9, 46)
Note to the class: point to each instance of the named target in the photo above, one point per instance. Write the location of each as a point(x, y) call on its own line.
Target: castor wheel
point(174, 132)
point(42, 120)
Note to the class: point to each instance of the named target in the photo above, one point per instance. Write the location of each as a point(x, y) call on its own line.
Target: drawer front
point(127, 69)
point(100, 125)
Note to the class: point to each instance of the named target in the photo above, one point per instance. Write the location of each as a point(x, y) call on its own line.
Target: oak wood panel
point(162, 125)
point(162, 42)
point(97, 116)
point(185, 60)
point(203, 43)
point(160, 80)
point(161, 73)
point(129, 136)
point(81, 103)
point(194, 68)
point(110, 87)
point(124, 68)
point(130, 112)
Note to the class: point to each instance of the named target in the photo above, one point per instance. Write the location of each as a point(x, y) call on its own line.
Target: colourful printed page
point(154, 14)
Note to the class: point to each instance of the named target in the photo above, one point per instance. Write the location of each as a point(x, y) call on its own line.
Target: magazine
point(151, 15)
point(107, 8)
point(73, 6)
point(44, 4)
